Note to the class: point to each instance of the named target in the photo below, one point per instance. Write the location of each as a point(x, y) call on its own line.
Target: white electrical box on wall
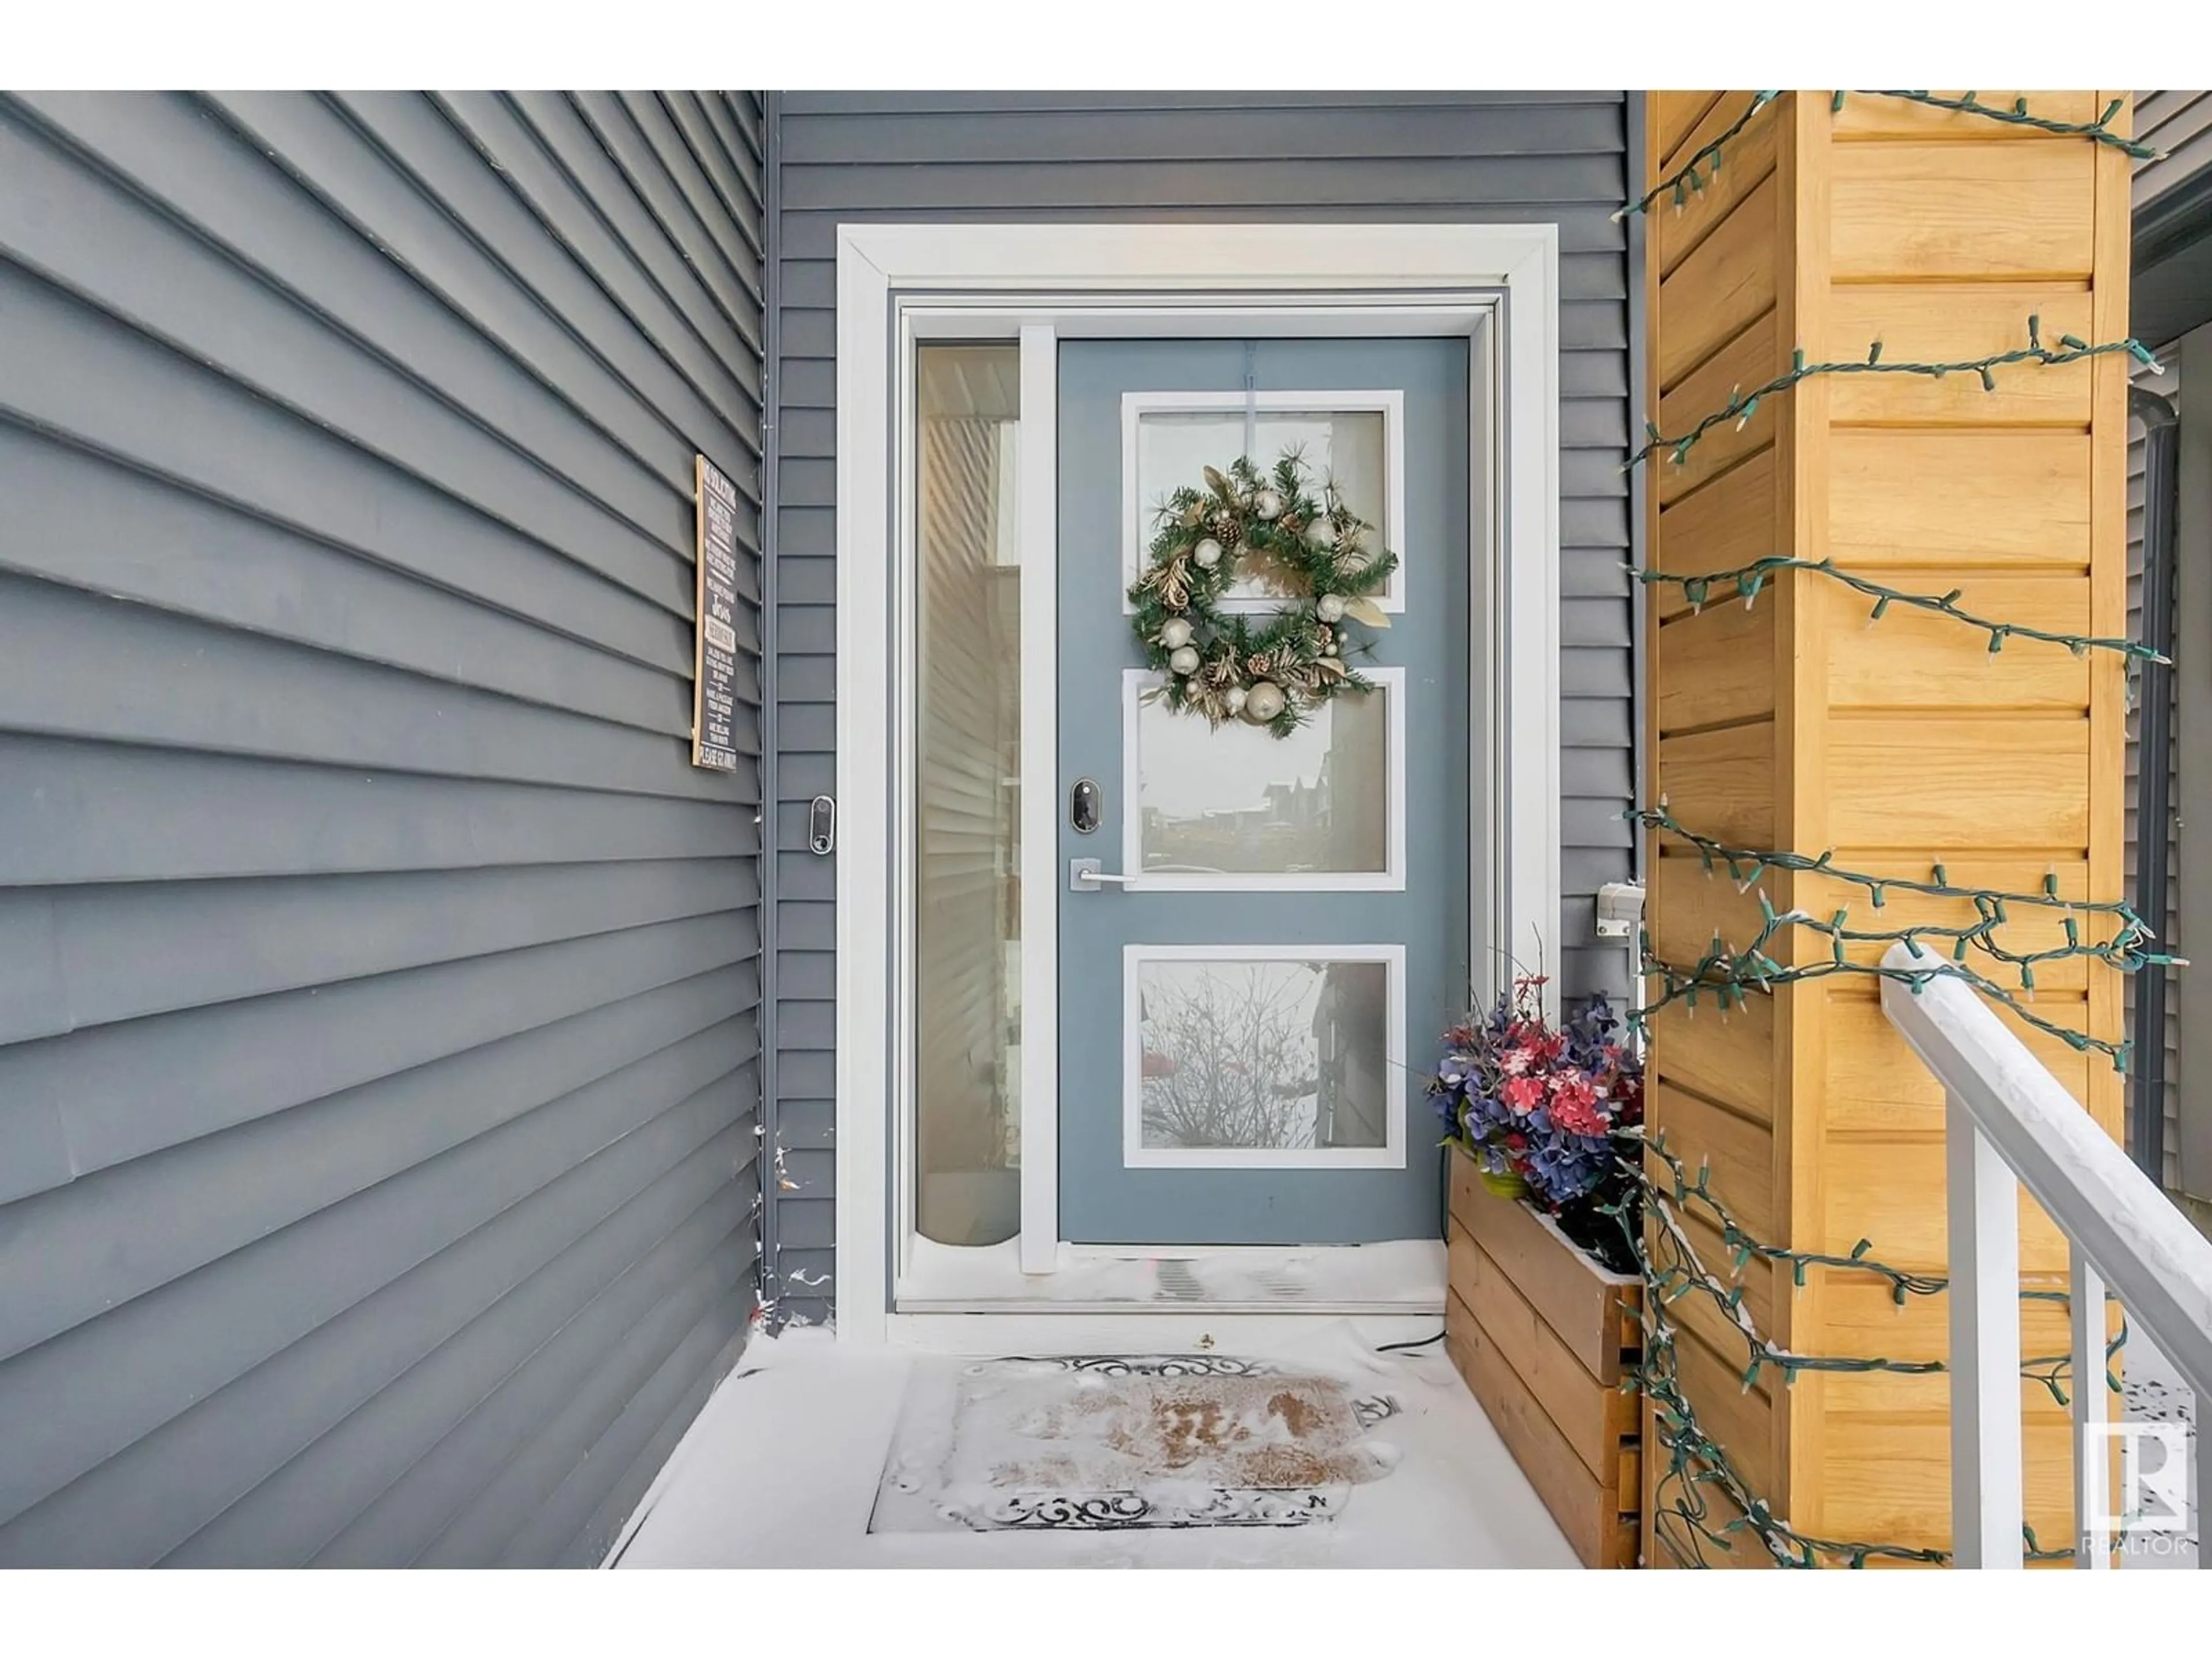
point(1619, 908)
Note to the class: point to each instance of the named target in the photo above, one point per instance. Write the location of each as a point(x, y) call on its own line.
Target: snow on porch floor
point(783, 1467)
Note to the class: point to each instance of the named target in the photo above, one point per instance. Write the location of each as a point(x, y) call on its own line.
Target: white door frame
point(1037, 283)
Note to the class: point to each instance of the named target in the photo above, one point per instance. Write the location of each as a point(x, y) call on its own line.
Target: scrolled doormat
point(1092, 1442)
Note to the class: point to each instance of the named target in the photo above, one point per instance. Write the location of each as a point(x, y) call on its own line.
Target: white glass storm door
point(1244, 1018)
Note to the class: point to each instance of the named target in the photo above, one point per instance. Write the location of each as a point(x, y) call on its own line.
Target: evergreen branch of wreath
point(1268, 671)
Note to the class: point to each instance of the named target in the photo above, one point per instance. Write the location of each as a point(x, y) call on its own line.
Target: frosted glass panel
point(968, 982)
point(1175, 449)
point(1234, 799)
point(1262, 1054)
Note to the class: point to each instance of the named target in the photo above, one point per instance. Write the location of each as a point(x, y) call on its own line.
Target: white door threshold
point(1120, 1331)
point(1296, 1308)
point(1403, 1277)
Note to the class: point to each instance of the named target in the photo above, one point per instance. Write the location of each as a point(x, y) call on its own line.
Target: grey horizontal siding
point(2178, 125)
point(2170, 284)
point(2165, 385)
point(1061, 105)
point(380, 1010)
point(1558, 158)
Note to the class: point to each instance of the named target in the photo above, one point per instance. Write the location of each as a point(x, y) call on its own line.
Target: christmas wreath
point(1268, 671)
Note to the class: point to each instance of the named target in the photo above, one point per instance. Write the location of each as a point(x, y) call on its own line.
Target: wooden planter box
point(1543, 1336)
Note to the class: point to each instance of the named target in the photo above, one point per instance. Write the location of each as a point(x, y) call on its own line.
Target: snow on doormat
point(1091, 1443)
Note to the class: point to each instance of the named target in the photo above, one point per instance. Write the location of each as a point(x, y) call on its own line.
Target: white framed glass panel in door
point(1356, 439)
point(1243, 1056)
point(1234, 808)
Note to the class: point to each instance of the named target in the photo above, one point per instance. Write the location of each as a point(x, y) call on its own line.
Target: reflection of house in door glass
point(1237, 800)
point(1267, 1056)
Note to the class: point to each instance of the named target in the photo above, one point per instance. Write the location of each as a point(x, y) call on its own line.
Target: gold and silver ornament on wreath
point(1269, 671)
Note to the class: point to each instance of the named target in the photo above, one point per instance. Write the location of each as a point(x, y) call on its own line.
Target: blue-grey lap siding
point(379, 983)
point(1514, 157)
point(2170, 288)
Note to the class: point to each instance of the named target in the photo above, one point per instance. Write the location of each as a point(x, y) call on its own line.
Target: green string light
point(1684, 1521)
point(1740, 407)
point(1747, 579)
point(1687, 1522)
point(2017, 114)
point(2053, 1370)
point(1702, 168)
point(1745, 864)
point(1705, 166)
point(1726, 976)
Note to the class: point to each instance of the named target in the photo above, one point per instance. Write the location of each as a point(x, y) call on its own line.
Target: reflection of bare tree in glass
point(1231, 1058)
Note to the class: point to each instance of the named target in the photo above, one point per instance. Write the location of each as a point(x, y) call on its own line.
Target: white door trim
point(1003, 281)
point(1036, 501)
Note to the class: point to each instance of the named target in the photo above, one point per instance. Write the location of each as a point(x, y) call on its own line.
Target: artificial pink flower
point(1578, 1116)
point(1523, 1094)
point(1572, 1088)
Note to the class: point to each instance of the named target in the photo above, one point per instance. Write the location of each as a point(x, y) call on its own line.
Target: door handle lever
point(1085, 876)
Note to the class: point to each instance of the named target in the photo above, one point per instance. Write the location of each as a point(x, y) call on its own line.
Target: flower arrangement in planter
point(1544, 1313)
point(1537, 1108)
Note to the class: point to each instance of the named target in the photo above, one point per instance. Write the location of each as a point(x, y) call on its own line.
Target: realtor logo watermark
point(2149, 1511)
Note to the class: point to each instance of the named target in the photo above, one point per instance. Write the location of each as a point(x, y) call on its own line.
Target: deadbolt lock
point(1083, 806)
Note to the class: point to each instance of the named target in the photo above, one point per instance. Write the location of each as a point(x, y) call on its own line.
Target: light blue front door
point(1244, 1026)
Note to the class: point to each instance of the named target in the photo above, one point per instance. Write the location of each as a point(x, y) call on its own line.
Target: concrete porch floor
point(782, 1467)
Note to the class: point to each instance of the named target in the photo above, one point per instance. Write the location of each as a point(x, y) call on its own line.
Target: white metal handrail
point(2009, 1123)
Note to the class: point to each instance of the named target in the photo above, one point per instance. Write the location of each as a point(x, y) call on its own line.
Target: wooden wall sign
point(713, 680)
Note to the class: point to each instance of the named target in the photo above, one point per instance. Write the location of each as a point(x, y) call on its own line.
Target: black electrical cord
point(1394, 1347)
